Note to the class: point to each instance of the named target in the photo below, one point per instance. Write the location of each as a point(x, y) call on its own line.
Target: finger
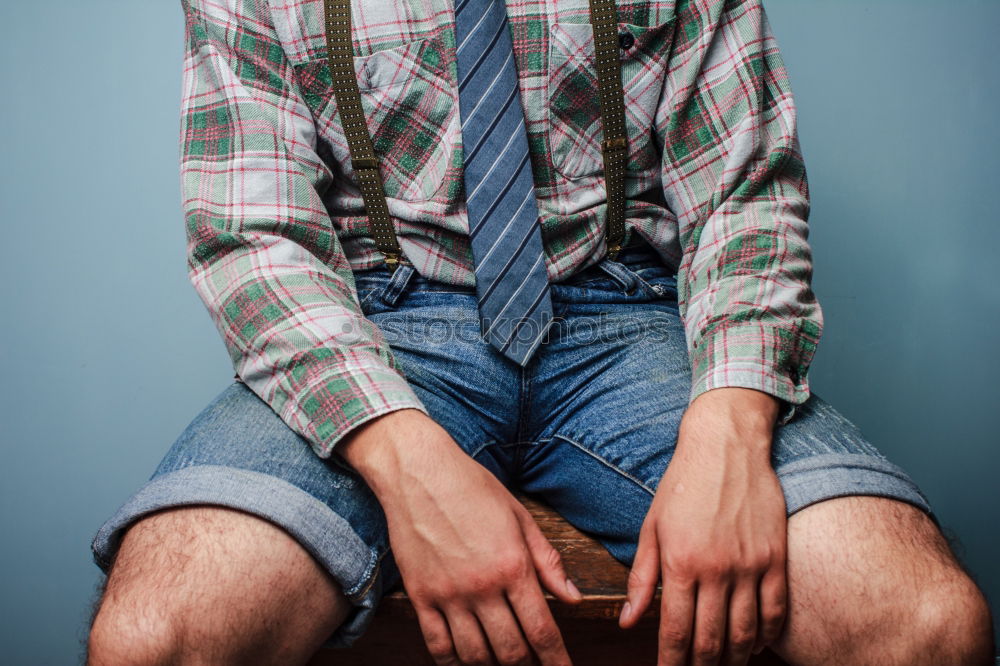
point(506, 640)
point(677, 606)
point(710, 621)
point(742, 631)
point(547, 561)
point(773, 607)
point(467, 635)
point(537, 623)
point(642, 578)
point(436, 636)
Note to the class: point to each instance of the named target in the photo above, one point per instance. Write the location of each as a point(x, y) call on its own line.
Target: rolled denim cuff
point(323, 533)
point(809, 480)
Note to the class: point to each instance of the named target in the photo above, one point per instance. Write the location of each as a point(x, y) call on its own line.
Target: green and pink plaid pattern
point(276, 224)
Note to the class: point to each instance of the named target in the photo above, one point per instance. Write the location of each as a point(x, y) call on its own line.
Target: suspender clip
point(618, 143)
point(394, 261)
point(361, 163)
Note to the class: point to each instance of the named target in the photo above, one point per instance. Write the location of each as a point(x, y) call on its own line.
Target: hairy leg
point(872, 581)
point(207, 584)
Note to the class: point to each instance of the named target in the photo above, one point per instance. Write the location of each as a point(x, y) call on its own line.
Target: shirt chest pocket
point(410, 103)
point(574, 114)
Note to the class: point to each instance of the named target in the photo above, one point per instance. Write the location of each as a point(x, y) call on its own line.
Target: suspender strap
point(340, 53)
point(614, 149)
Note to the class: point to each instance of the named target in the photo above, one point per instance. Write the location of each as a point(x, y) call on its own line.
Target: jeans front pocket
point(574, 115)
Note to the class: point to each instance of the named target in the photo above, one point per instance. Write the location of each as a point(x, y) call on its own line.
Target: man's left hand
point(716, 534)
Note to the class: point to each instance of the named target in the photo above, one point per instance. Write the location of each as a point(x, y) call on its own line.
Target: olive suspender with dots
point(340, 52)
point(614, 148)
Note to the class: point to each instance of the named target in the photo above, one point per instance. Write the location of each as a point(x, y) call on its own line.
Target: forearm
point(737, 420)
point(388, 449)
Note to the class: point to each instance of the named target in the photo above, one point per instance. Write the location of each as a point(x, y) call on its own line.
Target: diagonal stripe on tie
point(512, 286)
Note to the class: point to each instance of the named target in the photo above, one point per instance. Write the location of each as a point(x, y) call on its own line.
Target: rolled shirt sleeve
point(262, 251)
point(733, 174)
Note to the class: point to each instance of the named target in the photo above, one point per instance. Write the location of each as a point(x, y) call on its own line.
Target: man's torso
point(405, 61)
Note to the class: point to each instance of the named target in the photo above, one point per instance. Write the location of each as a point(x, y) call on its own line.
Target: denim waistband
point(394, 284)
point(639, 254)
point(630, 258)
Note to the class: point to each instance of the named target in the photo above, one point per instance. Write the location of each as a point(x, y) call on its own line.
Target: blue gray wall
point(107, 353)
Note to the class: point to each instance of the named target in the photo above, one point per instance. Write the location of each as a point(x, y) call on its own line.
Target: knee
point(126, 633)
point(151, 629)
point(952, 622)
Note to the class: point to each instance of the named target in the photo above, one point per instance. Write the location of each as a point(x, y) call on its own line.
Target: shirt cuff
point(764, 357)
point(337, 398)
point(337, 405)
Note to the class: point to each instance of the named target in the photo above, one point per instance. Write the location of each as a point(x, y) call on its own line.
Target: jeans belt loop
point(395, 288)
point(620, 274)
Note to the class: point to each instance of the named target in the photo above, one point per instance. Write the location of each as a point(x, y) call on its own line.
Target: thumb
point(642, 579)
point(547, 560)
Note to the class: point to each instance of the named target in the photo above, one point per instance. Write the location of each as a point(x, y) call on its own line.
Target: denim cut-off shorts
point(589, 425)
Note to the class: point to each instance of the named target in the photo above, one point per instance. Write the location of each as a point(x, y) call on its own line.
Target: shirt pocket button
point(626, 40)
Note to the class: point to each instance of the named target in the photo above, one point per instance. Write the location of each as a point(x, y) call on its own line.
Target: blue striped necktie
point(511, 282)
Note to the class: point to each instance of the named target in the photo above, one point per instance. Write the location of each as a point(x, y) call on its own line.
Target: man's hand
point(469, 553)
point(716, 533)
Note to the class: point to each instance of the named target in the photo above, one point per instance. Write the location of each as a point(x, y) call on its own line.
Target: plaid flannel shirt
point(275, 221)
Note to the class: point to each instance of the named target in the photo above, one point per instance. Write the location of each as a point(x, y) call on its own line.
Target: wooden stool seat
point(590, 628)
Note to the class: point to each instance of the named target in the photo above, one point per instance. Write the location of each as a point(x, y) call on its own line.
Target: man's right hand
point(470, 555)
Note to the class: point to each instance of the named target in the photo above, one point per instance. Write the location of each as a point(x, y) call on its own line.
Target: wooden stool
point(590, 628)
